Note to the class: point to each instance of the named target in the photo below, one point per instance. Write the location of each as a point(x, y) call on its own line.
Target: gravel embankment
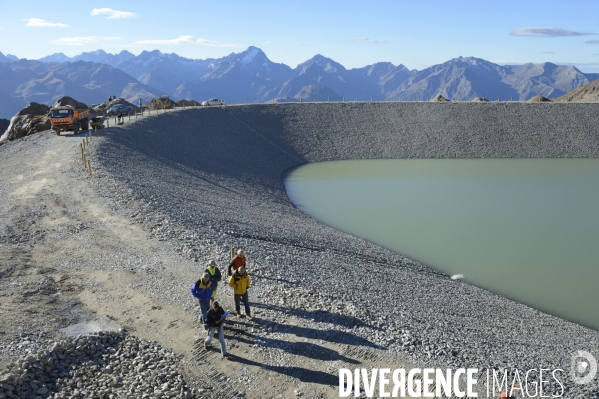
point(215, 175)
point(107, 364)
point(203, 180)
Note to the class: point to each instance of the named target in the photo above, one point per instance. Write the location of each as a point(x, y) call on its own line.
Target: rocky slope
point(31, 119)
point(586, 93)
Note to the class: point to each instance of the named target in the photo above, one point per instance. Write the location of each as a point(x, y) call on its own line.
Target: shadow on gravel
point(305, 349)
point(304, 375)
point(319, 315)
point(333, 336)
point(205, 145)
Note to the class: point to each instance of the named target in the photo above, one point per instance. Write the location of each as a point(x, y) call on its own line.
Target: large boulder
point(539, 99)
point(66, 100)
point(439, 99)
point(187, 103)
point(31, 119)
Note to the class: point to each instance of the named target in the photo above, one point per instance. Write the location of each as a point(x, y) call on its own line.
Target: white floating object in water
point(458, 277)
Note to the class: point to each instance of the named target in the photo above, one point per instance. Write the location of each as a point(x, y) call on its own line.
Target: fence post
point(89, 166)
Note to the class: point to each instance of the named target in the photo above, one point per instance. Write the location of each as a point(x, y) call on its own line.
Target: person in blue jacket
point(202, 290)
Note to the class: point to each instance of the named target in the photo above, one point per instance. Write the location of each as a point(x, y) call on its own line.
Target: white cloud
point(364, 40)
point(592, 42)
point(80, 41)
point(40, 23)
point(547, 32)
point(112, 14)
point(186, 40)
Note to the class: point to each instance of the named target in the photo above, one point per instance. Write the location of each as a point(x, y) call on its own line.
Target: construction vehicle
point(97, 123)
point(163, 102)
point(66, 118)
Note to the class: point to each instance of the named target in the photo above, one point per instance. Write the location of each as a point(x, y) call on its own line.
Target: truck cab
point(65, 118)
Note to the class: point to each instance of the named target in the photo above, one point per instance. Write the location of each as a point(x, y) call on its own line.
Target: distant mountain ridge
point(250, 76)
point(98, 56)
point(8, 58)
point(25, 81)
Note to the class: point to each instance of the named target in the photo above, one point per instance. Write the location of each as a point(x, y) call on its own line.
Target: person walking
point(510, 395)
point(202, 290)
point(216, 277)
point(237, 261)
point(240, 282)
point(216, 321)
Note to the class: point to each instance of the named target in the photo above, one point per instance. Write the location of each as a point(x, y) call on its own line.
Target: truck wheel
point(75, 128)
point(85, 124)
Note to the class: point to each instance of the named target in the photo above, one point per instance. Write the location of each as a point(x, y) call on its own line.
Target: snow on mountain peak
point(251, 55)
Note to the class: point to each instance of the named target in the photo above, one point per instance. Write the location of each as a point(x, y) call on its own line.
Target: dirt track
point(69, 258)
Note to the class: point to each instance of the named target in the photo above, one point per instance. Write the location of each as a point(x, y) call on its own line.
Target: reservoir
point(527, 229)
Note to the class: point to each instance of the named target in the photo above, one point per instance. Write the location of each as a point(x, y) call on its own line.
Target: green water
point(527, 229)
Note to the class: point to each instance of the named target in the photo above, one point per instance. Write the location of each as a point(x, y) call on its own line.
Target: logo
point(584, 367)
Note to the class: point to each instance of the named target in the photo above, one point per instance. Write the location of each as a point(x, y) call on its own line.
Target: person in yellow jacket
point(240, 282)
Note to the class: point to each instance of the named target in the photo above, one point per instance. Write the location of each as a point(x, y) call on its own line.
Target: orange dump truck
point(65, 118)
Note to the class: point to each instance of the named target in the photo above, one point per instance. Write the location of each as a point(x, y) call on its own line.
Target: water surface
point(525, 228)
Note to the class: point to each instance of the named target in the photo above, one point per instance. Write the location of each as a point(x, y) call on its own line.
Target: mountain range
point(250, 76)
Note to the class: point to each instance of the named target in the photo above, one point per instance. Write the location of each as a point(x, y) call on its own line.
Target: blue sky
point(417, 34)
